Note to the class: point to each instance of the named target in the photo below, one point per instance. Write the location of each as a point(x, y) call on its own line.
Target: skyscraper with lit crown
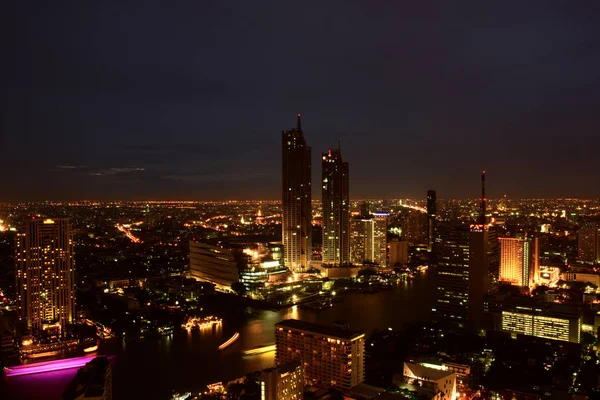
point(45, 274)
point(336, 209)
point(296, 223)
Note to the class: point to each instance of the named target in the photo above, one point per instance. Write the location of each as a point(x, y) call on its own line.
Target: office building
point(336, 209)
point(45, 274)
point(296, 223)
point(92, 382)
point(518, 260)
point(213, 264)
point(330, 355)
point(285, 382)
point(398, 252)
point(438, 380)
point(362, 239)
point(453, 278)
point(431, 216)
point(588, 245)
point(527, 316)
point(468, 270)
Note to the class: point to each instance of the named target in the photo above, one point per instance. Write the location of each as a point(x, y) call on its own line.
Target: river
point(189, 361)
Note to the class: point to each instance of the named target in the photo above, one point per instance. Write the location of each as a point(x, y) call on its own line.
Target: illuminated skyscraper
point(336, 205)
point(518, 260)
point(431, 215)
point(296, 221)
point(45, 275)
point(588, 245)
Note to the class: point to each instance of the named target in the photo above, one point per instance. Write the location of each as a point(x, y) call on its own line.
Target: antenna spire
point(482, 205)
point(299, 123)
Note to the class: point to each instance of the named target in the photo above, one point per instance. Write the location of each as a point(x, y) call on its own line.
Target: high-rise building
point(213, 264)
point(588, 244)
point(431, 216)
point(518, 260)
point(380, 238)
point(398, 252)
point(296, 223)
point(330, 355)
point(368, 239)
point(336, 209)
point(45, 274)
point(453, 278)
point(468, 270)
point(362, 238)
point(285, 382)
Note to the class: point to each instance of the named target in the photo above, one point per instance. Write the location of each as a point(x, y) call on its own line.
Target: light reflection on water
point(189, 361)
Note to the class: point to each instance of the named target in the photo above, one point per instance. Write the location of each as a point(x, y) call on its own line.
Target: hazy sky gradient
point(186, 100)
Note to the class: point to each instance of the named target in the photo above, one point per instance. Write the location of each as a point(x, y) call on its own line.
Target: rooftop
point(325, 330)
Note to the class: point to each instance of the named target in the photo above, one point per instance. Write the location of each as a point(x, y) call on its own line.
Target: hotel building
point(330, 355)
point(45, 274)
point(285, 382)
point(519, 263)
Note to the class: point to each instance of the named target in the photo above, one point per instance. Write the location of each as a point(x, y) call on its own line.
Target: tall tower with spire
point(296, 222)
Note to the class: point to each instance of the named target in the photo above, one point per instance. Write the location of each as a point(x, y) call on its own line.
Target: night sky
point(187, 99)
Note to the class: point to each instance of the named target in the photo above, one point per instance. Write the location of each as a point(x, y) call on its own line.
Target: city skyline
point(194, 112)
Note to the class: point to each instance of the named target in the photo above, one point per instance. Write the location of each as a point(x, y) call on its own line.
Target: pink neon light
point(48, 366)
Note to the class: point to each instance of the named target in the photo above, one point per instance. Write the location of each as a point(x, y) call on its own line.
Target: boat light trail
point(260, 350)
point(49, 366)
point(231, 340)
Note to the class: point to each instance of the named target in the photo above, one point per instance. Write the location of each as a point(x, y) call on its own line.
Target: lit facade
point(519, 260)
point(336, 209)
point(45, 274)
point(296, 223)
point(362, 239)
point(588, 245)
point(285, 382)
point(213, 264)
point(330, 355)
point(431, 216)
point(414, 227)
point(380, 238)
point(529, 317)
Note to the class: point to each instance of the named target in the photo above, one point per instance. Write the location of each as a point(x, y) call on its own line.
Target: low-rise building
point(437, 380)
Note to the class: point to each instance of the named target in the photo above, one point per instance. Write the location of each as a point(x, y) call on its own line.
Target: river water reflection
point(189, 361)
